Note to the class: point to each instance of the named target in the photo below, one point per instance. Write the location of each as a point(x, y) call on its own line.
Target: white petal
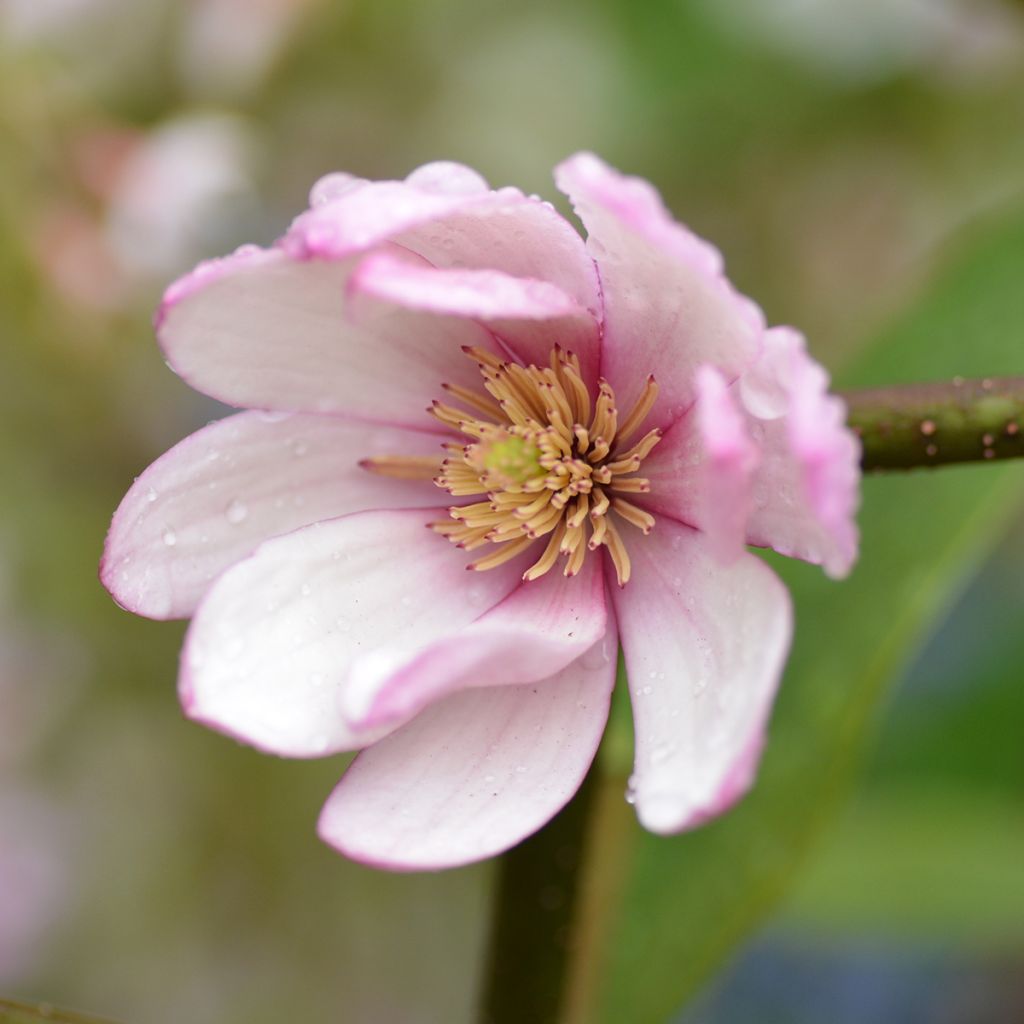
point(474, 774)
point(215, 496)
point(704, 646)
point(269, 651)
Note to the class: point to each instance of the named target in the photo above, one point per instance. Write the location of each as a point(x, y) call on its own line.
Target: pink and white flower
point(624, 416)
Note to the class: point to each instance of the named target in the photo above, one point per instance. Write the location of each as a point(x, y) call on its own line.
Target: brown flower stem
point(937, 424)
point(527, 968)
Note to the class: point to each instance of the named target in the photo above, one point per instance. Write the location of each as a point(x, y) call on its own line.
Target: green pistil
point(513, 459)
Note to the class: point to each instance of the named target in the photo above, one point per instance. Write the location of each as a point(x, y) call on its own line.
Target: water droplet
point(151, 494)
point(631, 790)
point(660, 754)
point(236, 512)
point(170, 538)
point(647, 691)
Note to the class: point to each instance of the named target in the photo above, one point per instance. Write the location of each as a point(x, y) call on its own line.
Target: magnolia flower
point(479, 454)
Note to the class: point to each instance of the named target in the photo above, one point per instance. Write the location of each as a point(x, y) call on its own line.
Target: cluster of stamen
point(545, 461)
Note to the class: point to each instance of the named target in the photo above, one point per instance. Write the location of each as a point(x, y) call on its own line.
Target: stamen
point(477, 401)
point(403, 467)
point(542, 460)
point(639, 412)
point(637, 516)
point(501, 556)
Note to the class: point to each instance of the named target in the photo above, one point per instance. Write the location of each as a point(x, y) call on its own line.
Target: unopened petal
point(475, 773)
point(705, 646)
point(268, 653)
point(211, 499)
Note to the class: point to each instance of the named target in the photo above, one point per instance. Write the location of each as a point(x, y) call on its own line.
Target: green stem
point(937, 424)
point(535, 902)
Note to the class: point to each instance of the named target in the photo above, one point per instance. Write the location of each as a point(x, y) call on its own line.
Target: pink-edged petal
point(441, 213)
point(530, 316)
point(536, 631)
point(705, 645)
point(264, 330)
point(668, 307)
point(475, 773)
point(701, 472)
point(268, 653)
point(727, 470)
point(212, 498)
point(807, 489)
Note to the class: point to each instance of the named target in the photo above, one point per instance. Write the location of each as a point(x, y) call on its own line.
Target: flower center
point(545, 460)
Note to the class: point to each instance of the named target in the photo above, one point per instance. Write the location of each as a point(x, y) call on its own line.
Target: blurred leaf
point(20, 1013)
point(687, 901)
point(919, 862)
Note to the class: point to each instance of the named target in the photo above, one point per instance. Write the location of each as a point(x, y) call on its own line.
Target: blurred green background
point(862, 167)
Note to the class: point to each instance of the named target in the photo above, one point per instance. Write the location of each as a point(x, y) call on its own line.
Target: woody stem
point(531, 928)
point(937, 424)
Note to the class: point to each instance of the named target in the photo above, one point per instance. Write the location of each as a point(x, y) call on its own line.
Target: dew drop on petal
point(170, 538)
point(631, 790)
point(151, 494)
point(236, 512)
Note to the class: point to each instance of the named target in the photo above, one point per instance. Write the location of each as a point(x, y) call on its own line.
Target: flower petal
point(441, 213)
point(268, 653)
point(475, 773)
point(264, 330)
point(705, 647)
point(530, 316)
point(541, 627)
point(807, 489)
point(668, 307)
point(701, 472)
point(213, 497)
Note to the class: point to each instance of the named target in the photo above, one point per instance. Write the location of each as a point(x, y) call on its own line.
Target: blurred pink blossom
point(624, 415)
